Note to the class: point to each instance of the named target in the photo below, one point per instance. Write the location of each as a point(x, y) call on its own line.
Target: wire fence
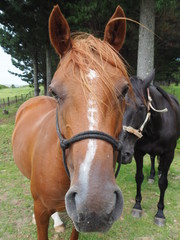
point(19, 98)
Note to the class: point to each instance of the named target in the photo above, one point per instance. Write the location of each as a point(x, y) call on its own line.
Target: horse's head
point(89, 85)
point(136, 116)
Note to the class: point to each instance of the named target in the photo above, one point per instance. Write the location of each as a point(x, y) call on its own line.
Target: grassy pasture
point(16, 205)
point(12, 92)
point(174, 90)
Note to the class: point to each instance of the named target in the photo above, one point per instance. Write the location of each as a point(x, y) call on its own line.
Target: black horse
point(151, 125)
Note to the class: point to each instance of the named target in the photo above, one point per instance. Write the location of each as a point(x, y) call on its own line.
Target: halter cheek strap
point(134, 131)
point(150, 104)
point(138, 132)
point(66, 143)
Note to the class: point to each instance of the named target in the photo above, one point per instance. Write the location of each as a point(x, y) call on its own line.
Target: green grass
point(12, 92)
point(19, 92)
point(16, 205)
point(174, 90)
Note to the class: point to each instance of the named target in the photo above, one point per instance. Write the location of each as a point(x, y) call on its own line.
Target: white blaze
point(92, 74)
point(92, 115)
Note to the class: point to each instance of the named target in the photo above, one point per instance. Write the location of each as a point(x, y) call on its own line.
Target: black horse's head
point(135, 117)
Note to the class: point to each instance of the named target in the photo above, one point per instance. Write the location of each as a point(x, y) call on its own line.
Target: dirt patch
point(176, 177)
point(144, 238)
point(3, 197)
point(3, 121)
point(21, 221)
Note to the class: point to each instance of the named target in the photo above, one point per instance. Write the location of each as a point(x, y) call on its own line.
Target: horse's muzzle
point(94, 214)
point(126, 157)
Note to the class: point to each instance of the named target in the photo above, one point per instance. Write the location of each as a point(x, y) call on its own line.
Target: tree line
point(24, 34)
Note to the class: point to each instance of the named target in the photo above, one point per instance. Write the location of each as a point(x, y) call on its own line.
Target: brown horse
point(89, 87)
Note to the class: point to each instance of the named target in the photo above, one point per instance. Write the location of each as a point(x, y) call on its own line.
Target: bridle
point(138, 132)
point(93, 134)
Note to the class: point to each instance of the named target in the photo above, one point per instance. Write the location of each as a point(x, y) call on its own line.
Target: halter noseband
point(66, 143)
point(138, 132)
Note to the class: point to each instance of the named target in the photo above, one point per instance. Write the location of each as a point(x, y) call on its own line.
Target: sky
point(7, 78)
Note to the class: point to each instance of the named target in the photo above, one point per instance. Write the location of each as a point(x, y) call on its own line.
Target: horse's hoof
point(160, 222)
point(136, 213)
point(60, 228)
point(151, 180)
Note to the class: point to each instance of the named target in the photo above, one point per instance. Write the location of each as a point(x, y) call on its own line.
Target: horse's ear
point(148, 80)
point(115, 30)
point(59, 31)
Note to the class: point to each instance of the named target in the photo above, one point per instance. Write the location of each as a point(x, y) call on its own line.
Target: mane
point(166, 96)
point(88, 53)
point(175, 99)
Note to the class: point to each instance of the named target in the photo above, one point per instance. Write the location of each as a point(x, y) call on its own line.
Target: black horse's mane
point(167, 96)
point(175, 99)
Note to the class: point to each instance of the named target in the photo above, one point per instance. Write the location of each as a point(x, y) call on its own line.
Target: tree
point(145, 62)
point(26, 39)
point(17, 36)
point(167, 47)
point(167, 44)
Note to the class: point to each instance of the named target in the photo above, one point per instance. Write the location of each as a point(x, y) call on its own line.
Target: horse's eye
point(123, 93)
point(54, 95)
point(125, 90)
point(60, 97)
point(141, 107)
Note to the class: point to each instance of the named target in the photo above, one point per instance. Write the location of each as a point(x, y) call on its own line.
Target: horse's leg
point(42, 220)
point(159, 167)
point(74, 234)
point(165, 161)
point(137, 210)
point(152, 171)
point(58, 224)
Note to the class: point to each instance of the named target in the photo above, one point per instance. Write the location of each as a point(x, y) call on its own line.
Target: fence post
point(15, 99)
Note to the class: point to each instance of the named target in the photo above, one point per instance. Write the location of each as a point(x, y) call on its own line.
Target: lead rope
point(150, 100)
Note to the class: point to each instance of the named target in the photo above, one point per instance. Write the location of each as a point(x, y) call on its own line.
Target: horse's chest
point(149, 146)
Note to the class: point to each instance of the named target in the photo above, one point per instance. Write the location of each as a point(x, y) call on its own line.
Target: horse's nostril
point(71, 196)
point(74, 194)
point(119, 202)
point(127, 154)
point(126, 157)
point(70, 200)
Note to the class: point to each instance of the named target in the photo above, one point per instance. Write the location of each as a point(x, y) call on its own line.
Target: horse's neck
point(155, 123)
point(153, 126)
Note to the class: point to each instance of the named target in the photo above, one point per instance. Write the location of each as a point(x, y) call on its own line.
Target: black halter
point(66, 143)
